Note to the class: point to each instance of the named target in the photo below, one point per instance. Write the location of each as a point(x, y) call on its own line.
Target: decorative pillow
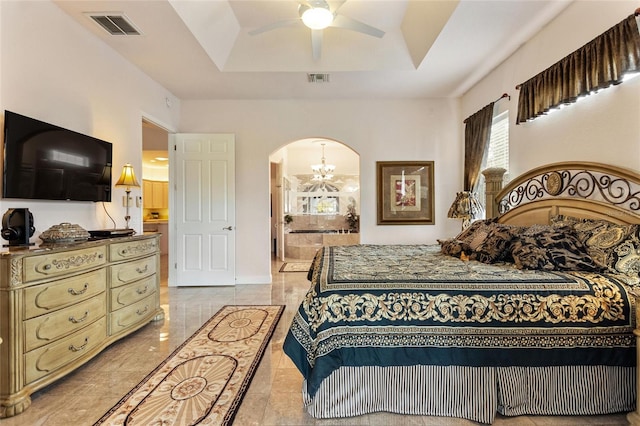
point(619, 247)
point(528, 254)
point(624, 257)
point(496, 246)
point(536, 229)
point(560, 221)
point(552, 249)
point(477, 231)
point(615, 247)
point(479, 237)
point(602, 239)
point(454, 247)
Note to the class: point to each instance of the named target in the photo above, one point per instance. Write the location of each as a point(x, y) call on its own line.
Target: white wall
point(378, 130)
point(53, 70)
point(604, 127)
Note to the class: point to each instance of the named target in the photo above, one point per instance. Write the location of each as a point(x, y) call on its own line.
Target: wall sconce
point(128, 180)
point(467, 207)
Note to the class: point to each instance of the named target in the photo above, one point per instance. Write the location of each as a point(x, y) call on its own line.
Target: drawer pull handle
point(142, 270)
point(79, 320)
point(144, 311)
point(79, 292)
point(142, 290)
point(74, 348)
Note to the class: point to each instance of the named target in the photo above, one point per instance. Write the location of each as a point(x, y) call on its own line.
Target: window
point(326, 205)
point(497, 154)
point(319, 198)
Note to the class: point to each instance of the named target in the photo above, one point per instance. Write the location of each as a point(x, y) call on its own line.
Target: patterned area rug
point(205, 378)
point(295, 267)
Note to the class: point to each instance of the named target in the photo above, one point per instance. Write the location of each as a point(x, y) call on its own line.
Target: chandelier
point(322, 172)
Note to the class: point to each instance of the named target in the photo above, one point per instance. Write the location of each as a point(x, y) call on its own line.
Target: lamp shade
point(465, 206)
point(128, 177)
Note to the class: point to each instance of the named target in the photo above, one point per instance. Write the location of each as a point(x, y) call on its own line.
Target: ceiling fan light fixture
point(317, 18)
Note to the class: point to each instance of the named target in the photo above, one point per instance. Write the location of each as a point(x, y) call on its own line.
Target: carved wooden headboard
point(580, 189)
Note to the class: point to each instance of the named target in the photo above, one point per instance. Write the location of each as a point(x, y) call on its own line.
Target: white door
point(204, 209)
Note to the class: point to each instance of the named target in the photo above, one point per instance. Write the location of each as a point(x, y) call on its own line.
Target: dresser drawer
point(130, 249)
point(139, 312)
point(129, 272)
point(131, 293)
point(45, 329)
point(47, 359)
point(45, 298)
point(66, 262)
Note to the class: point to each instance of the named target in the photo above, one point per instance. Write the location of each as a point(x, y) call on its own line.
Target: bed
point(532, 312)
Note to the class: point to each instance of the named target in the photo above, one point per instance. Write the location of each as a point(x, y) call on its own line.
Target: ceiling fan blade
point(315, 3)
point(341, 21)
point(335, 5)
point(316, 43)
point(275, 25)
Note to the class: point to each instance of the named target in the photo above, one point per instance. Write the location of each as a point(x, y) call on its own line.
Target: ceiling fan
point(318, 15)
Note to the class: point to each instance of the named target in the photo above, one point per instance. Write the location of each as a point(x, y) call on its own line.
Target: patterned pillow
point(477, 231)
point(462, 242)
point(536, 229)
point(496, 246)
point(528, 254)
point(454, 247)
point(552, 249)
point(561, 220)
point(624, 256)
point(611, 245)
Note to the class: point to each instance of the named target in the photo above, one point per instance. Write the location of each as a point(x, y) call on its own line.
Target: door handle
point(228, 228)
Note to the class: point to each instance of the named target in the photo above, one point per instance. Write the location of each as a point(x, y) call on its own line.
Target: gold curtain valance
point(598, 64)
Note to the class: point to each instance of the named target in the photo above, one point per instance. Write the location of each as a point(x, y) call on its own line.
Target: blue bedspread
point(410, 304)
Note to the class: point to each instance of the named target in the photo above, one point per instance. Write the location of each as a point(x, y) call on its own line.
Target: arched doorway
point(315, 197)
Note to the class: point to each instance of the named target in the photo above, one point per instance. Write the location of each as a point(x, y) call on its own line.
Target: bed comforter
point(404, 305)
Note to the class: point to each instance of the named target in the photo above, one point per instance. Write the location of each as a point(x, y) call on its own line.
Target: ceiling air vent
point(115, 23)
point(318, 78)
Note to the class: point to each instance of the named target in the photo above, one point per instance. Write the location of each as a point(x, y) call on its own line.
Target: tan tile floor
point(274, 397)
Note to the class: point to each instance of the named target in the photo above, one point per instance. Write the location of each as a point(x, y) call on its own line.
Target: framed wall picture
point(405, 192)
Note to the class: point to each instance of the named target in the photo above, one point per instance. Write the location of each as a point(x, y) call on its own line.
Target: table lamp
point(128, 180)
point(467, 207)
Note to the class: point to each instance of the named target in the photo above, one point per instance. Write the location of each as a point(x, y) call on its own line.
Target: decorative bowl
point(64, 232)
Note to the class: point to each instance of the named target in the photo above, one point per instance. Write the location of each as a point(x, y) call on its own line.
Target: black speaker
point(17, 227)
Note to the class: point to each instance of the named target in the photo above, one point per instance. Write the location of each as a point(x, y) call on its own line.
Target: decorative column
point(493, 185)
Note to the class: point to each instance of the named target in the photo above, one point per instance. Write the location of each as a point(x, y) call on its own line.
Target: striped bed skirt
point(474, 393)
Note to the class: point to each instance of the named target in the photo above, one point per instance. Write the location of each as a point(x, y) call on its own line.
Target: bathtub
point(301, 244)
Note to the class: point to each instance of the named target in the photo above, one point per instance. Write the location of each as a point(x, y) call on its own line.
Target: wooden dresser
point(61, 304)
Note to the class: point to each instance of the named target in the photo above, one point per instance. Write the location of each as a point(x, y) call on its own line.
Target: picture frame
point(405, 192)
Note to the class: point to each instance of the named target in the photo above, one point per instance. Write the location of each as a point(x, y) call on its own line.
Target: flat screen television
point(46, 162)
